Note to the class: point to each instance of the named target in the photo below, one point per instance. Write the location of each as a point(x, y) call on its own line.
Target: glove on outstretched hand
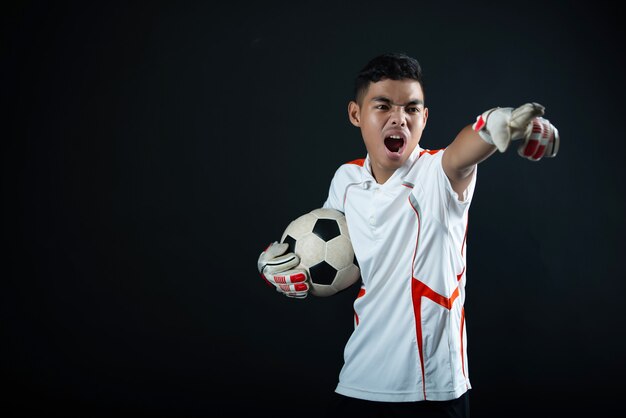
point(501, 125)
point(279, 269)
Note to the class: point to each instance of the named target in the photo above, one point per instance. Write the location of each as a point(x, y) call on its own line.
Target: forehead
point(399, 91)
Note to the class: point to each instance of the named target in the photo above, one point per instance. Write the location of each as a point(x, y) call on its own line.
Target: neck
point(381, 175)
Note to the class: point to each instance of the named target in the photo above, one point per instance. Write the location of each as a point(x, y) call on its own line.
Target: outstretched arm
point(494, 130)
point(461, 157)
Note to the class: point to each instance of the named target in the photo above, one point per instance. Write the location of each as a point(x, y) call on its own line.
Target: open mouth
point(394, 143)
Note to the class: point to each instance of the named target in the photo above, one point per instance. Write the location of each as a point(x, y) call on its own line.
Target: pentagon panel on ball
point(322, 241)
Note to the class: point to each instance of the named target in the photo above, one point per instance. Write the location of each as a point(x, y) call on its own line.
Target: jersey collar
point(399, 174)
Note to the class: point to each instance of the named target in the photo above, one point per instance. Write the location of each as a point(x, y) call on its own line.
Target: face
point(392, 118)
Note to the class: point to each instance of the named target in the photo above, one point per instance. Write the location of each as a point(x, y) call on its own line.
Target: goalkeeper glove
point(501, 125)
point(278, 268)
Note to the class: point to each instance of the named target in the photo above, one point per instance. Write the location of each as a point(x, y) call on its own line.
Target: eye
point(382, 107)
point(413, 109)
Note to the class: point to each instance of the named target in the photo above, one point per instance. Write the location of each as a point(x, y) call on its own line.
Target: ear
point(354, 113)
point(425, 116)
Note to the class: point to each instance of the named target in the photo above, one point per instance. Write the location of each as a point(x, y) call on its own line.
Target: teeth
point(395, 137)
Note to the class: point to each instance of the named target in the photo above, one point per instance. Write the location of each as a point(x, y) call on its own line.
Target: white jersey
point(409, 340)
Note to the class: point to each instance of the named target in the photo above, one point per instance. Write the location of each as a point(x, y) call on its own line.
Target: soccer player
point(407, 209)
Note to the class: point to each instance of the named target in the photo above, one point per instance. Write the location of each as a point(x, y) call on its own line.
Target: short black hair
point(391, 65)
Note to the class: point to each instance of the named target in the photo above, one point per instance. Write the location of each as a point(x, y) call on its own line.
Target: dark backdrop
point(152, 150)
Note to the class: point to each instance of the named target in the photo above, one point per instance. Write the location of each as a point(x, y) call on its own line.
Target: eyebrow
point(387, 100)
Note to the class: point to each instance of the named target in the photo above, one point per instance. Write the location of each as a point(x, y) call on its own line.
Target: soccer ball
point(321, 239)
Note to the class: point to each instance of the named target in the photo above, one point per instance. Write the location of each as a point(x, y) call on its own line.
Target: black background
point(152, 150)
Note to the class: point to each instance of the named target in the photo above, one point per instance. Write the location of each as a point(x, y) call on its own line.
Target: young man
point(407, 210)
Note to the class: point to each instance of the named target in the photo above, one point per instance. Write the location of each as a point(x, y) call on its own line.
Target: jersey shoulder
point(358, 162)
point(427, 156)
point(431, 152)
point(352, 171)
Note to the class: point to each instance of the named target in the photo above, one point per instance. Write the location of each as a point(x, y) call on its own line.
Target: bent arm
point(461, 157)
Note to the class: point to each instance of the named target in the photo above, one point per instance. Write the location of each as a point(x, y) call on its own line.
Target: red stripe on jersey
point(462, 342)
point(420, 290)
point(417, 300)
point(431, 152)
point(460, 275)
point(464, 238)
point(417, 311)
point(358, 161)
point(462, 325)
point(424, 291)
point(360, 294)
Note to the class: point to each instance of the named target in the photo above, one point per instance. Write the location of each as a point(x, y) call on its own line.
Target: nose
point(398, 116)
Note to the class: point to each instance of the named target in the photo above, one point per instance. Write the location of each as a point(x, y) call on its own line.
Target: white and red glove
point(501, 125)
point(279, 270)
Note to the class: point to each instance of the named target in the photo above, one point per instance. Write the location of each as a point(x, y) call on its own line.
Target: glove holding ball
point(501, 125)
point(278, 269)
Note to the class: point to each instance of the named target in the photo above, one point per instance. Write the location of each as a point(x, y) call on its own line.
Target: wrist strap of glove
point(493, 127)
point(480, 126)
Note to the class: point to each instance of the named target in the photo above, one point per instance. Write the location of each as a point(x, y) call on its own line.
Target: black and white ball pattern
point(322, 241)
